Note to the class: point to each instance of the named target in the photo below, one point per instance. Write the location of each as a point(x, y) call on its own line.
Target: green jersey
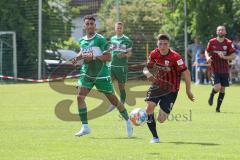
point(120, 45)
point(95, 69)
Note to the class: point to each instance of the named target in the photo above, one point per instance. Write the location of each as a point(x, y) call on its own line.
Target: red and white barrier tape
point(38, 80)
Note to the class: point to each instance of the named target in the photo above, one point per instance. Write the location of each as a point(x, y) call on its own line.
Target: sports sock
point(83, 115)
point(124, 114)
point(152, 125)
point(122, 95)
point(220, 99)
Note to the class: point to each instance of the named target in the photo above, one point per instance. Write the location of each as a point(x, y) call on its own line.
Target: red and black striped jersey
point(215, 48)
point(169, 67)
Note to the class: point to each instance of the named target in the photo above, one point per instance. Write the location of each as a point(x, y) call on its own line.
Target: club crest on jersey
point(225, 48)
point(166, 62)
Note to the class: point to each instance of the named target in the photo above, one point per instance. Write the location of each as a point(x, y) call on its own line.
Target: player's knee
point(150, 107)
point(119, 105)
point(121, 86)
point(217, 88)
point(149, 110)
point(161, 119)
point(116, 102)
point(222, 89)
point(80, 98)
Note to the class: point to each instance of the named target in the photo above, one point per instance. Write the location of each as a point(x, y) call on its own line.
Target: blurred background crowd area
point(37, 37)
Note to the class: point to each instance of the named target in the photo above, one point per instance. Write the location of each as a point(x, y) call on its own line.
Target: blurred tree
point(142, 21)
point(203, 17)
point(21, 16)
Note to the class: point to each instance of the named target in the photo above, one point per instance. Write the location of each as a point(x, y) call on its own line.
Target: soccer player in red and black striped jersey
point(219, 51)
point(169, 67)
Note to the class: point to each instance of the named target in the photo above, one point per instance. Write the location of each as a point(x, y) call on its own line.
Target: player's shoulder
point(154, 52)
point(228, 40)
point(126, 37)
point(99, 36)
point(213, 40)
point(81, 39)
point(113, 37)
point(174, 54)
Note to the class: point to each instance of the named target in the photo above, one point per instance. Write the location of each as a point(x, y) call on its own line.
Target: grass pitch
point(31, 130)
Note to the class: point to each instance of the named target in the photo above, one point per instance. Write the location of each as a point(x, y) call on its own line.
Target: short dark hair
point(163, 37)
point(90, 17)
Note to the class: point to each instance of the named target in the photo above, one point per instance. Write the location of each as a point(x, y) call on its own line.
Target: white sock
point(85, 125)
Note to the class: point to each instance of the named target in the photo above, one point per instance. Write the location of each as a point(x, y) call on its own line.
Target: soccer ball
point(138, 116)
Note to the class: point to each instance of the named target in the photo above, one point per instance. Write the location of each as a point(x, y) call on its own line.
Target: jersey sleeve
point(231, 48)
point(180, 64)
point(103, 44)
point(209, 47)
point(79, 43)
point(151, 60)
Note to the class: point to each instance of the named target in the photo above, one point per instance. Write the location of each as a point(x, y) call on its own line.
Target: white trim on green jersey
point(96, 69)
point(121, 44)
point(87, 39)
point(95, 50)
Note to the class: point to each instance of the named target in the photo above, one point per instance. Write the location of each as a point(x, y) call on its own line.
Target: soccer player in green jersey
point(94, 72)
point(122, 47)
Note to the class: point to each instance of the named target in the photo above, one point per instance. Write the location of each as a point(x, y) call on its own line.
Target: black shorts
point(165, 102)
point(222, 78)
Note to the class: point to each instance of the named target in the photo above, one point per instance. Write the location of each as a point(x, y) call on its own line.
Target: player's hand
point(129, 50)
point(209, 59)
point(190, 95)
point(152, 79)
point(121, 55)
point(221, 55)
point(75, 59)
point(88, 56)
